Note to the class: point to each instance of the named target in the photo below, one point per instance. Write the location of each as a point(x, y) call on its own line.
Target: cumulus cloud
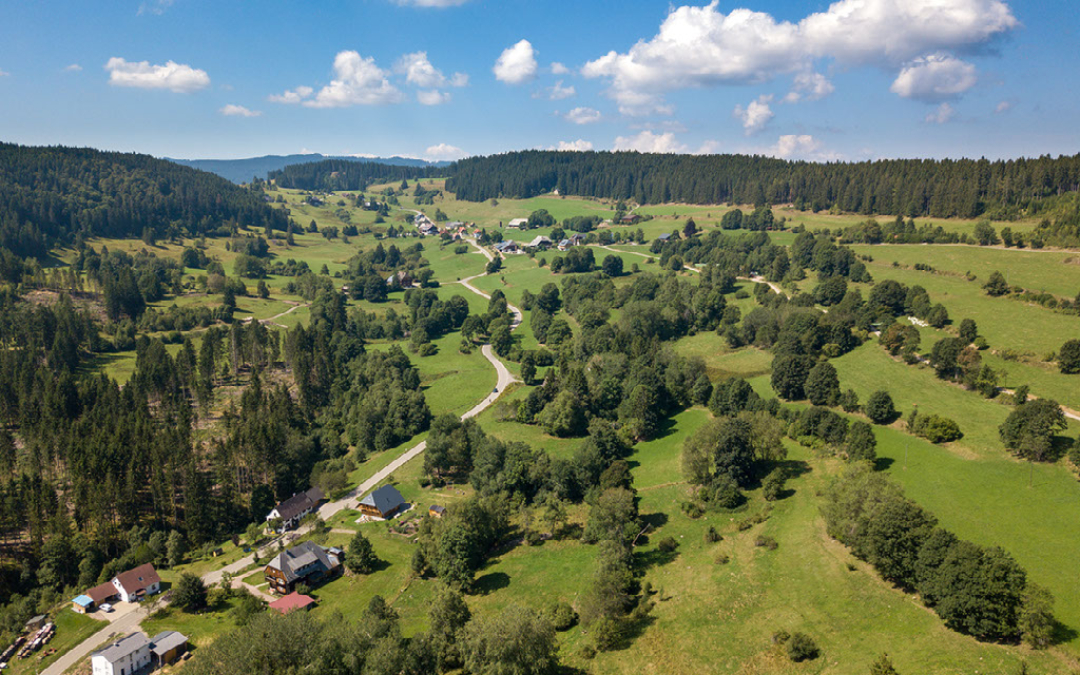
point(430, 3)
point(934, 78)
point(801, 146)
point(580, 145)
point(4, 73)
point(173, 76)
point(418, 71)
point(943, 114)
point(238, 111)
point(357, 81)
point(709, 148)
point(746, 46)
point(444, 151)
point(557, 92)
point(433, 97)
point(647, 141)
point(809, 86)
point(73, 68)
point(583, 116)
point(291, 95)
point(517, 64)
point(1003, 107)
point(559, 69)
point(756, 115)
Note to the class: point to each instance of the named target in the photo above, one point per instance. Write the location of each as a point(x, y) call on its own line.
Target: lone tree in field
point(823, 385)
point(968, 331)
point(361, 558)
point(997, 285)
point(1069, 357)
point(190, 593)
point(879, 408)
point(1029, 429)
point(612, 266)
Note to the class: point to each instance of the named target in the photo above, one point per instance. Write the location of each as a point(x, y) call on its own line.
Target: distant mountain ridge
point(243, 170)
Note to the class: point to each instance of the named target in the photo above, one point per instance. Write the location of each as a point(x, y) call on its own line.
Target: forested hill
point(48, 195)
point(243, 170)
point(910, 187)
point(343, 174)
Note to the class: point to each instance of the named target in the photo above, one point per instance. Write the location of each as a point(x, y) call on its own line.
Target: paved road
point(130, 621)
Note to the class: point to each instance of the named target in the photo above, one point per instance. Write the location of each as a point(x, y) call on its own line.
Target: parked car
point(106, 608)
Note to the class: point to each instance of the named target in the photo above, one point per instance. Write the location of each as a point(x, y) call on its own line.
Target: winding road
point(130, 620)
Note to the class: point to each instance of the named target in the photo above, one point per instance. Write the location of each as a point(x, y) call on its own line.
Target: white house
point(134, 585)
point(125, 656)
point(293, 509)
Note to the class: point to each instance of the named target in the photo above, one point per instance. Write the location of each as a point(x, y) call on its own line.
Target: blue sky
point(855, 79)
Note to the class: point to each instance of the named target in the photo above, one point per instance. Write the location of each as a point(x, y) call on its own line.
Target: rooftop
point(167, 641)
point(385, 499)
point(292, 601)
point(139, 578)
point(125, 646)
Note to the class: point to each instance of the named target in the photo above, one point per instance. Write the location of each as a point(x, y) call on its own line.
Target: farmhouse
point(123, 657)
point(506, 247)
point(296, 507)
point(630, 219)
point(382, 503)
point(664, 237)
point(308, 563)
point(292, 601)
point(166, 647)
point(134, 585)
point(518, 223)
point(403, 278)
point(564, 244)
point(541, 243)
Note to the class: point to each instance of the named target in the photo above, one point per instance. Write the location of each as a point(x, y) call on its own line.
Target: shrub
point(668, 545)
point(801, 647)
point(692, 510)
point(766, 542)
point(712, 536)
point(533, 538)
point(937, 429)
point(722, 559)
point(879, 408)
point(561, 615)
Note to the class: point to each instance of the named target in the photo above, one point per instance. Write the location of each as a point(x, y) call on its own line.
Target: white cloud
point(238, 111)
point(647, 141)
point(4, 73)
point(801, 146)
point(934, 78)
point(943, 114)
point(557, 92)
point(517, 64)
point(418, 71)
point(583, 116)
point(73, 68)
point(173, 76)
point(291, 96)
point(701, 46)
point(580, 145)
point(756, 115)
point(357, 81)
point(809, 86)
point(1003, 107)
point(444, 151)
point(433, 97)
point(430, 3)
point(155, 7)
point(709, 148)
point(559, 69)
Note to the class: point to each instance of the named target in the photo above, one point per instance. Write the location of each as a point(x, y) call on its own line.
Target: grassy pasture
point(71, 629)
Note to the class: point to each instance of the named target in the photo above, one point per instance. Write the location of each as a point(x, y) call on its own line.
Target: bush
point(712, 536)
point(879, 408)
point(766, 542)
point(533, 538)
point(723, 559)
point(937, 429)
point(561, 615)
point(668, 545)
point(801, 647)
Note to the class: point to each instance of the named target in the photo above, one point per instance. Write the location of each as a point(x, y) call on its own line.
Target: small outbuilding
point(436, 511)
point(518, 223)
point(166, 647)
point(293, 601)
point(36, 623)
point(382, 503)
point(82, 604)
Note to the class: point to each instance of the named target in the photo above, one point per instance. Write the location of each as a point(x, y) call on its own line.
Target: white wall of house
point(123, 666)
point(131, 596)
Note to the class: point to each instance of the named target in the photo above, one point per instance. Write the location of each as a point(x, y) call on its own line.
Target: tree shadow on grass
point(883, 463)
point(491, 582)
point(1062, 633)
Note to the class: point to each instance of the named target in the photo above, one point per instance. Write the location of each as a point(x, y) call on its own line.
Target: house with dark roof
point(307, 563)
point(166, 647)
point(292, 602)
point(125, 656)
point(134, 585)
point(436, 511)
point(293, 509)
point(540, 242)
point(382, 503)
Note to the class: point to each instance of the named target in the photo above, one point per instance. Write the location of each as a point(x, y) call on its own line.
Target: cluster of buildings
point(130, 586)
point(539, 243)
point(455, 228)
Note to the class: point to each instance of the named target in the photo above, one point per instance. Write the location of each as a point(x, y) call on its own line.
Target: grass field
point(71, 629)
